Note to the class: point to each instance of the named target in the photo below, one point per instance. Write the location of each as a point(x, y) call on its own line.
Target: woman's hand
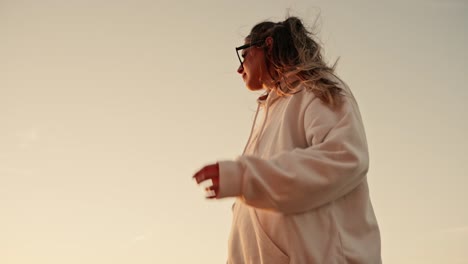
point(209, 172)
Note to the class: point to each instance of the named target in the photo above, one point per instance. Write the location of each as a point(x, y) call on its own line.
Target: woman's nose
point(240, 70)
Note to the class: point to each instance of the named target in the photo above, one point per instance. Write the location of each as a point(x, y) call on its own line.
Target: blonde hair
point(295, 53)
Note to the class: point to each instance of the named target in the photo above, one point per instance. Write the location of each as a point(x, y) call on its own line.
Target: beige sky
point(107, 108)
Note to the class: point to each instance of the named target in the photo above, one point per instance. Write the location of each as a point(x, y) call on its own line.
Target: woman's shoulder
point(308, 99)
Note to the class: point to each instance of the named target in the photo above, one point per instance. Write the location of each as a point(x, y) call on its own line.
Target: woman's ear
point(269, 43)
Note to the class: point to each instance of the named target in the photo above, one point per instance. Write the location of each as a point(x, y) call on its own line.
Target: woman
point(301, 186)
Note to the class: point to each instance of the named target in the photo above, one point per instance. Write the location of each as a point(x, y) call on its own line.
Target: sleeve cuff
point(230, 179)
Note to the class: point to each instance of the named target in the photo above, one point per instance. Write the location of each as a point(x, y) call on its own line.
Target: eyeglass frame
point(245, 47)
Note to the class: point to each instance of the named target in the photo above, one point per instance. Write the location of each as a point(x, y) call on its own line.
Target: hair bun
point(294, 24)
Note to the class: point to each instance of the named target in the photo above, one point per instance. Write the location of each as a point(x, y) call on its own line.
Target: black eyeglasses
point(245, 47)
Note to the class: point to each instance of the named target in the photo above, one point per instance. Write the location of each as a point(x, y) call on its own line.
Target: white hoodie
point(301, 185)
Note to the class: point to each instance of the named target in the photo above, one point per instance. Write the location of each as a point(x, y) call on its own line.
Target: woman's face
point(254, 70)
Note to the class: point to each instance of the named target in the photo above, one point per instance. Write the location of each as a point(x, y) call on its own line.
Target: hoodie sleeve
point(335, 163)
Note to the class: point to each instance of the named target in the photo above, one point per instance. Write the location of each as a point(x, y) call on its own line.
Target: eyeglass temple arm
point(248, 45)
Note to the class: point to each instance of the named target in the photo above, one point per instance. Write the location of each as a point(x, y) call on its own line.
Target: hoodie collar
point(271, 96)
point(268, 98)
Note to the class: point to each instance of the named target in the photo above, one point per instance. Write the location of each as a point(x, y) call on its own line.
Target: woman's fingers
point(211, 191)
point(201, 176)
point(214, 187)
point(209, 172)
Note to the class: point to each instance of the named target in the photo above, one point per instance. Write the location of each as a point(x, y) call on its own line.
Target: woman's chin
point(253, 87)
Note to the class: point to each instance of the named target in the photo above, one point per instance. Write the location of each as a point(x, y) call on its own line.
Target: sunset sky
point(107, 108)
